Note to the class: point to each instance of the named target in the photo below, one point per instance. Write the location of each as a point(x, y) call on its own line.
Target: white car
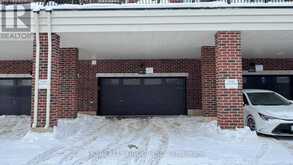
point(267, 112)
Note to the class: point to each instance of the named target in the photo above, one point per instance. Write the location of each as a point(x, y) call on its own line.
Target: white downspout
point(37, 65)
point(49, 70)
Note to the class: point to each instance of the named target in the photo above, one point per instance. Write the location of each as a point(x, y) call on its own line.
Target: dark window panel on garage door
point(15, 96)
point(278, 83)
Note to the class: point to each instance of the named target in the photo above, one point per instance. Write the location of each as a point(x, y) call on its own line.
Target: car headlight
point(266, 117)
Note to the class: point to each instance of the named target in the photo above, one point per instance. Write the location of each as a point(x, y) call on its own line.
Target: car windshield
point(266, 98)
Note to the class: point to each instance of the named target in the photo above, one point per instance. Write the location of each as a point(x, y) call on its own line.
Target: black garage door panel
point(142, 96)
point(279, 83)
point(15, 96)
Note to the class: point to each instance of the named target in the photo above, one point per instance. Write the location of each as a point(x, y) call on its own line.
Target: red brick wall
point(228, 66)
point(16, 67)
point(69, 82)
point(88, 82)
point(270, 64)
point(208, 81)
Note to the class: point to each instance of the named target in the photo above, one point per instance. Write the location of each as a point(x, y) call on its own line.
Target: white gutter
point(37, 65)
point(49, 70)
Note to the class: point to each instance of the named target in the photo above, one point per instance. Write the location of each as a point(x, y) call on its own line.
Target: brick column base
point(228, 66)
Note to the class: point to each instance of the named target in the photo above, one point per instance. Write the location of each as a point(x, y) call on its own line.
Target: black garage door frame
point(98, 112)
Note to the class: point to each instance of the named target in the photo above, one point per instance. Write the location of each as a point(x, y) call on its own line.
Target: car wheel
point(251, 123)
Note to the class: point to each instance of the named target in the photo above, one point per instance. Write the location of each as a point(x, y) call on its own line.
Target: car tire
point(251, 123)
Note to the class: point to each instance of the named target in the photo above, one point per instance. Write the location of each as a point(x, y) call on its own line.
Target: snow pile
point(18, 143)
point(165, 140)
point(32, 137)
point(69, 127)
point(14, 126)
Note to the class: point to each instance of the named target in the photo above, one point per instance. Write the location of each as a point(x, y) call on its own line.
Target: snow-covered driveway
point(288, 142)
point(149, 141)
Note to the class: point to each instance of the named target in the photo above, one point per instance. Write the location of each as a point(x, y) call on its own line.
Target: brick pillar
point(69, 82)
point(208, 81)
point(55, 79)
point(228, 66)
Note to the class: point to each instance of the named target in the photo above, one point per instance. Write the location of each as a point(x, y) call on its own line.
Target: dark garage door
point(278, 83)
point(142, 96)
point(15, 96)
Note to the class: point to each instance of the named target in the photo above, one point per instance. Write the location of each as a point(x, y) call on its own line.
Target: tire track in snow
point(144, 134)
point(168, 129)
point(69, 151)
point(142, 148)
point(261, 152)
point(286, 142)
point(142, 159)
point(72, 152)
point(164, 139)
point(41, 158)
point(98, 155)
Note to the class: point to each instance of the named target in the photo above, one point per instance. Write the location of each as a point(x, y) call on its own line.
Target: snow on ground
point(168, 140)
point(138, 5)
point(288, 142)
point(14, 126)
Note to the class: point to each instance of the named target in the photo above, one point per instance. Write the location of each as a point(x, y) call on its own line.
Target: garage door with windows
point(15, 96)
point(279, 83)
point(142, 96)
